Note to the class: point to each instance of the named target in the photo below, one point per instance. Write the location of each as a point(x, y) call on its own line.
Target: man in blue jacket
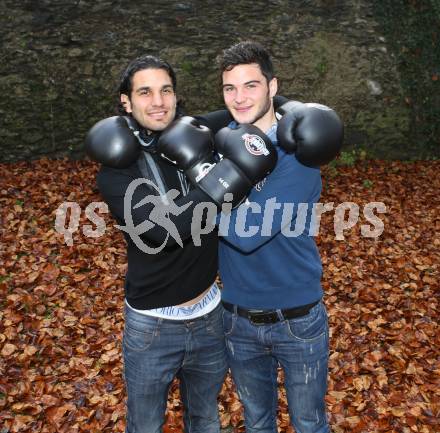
point(269, 263)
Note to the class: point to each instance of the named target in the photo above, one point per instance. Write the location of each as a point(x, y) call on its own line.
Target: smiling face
point(152, 101)
point(248, 95)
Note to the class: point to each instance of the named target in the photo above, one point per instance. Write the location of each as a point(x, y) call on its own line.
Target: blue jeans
point(300, 347)
point(156, 350)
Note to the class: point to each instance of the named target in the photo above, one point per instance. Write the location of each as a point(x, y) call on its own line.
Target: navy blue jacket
point(271, 263)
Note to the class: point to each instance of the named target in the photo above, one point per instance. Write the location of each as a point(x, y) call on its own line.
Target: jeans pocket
point(138, 340)
point(310, 327)
point(229, 320)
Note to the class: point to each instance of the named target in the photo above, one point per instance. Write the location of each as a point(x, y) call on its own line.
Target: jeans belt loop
point(280, 315)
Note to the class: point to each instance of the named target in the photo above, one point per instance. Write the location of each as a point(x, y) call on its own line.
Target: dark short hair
point(139, 64)
point(245, 53)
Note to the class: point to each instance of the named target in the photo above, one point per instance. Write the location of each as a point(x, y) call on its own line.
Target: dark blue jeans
point(300, 347)
point(155, 351)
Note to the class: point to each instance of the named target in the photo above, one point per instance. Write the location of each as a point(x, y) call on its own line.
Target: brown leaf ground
point(61, 317)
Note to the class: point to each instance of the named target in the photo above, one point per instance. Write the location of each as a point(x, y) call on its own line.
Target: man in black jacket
point(172, 315)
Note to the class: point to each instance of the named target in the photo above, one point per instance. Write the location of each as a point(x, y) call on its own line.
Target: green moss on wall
point(412, 29)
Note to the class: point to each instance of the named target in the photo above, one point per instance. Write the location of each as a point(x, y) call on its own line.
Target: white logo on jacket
point(259, 186)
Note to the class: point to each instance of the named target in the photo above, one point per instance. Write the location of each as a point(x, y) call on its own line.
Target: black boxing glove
point(248, 156)
point(189, 145)
point(314, 132)
point(249, 148)
point(112, 142)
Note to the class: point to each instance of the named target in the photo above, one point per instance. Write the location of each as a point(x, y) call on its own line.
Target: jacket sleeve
point(134, 204)
point(285, 196)
point(215, 120)
point(279, 100)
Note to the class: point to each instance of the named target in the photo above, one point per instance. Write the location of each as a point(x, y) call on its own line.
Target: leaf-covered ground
point(61, 317)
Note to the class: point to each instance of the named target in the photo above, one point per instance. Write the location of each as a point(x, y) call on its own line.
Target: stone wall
point(61, 60)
